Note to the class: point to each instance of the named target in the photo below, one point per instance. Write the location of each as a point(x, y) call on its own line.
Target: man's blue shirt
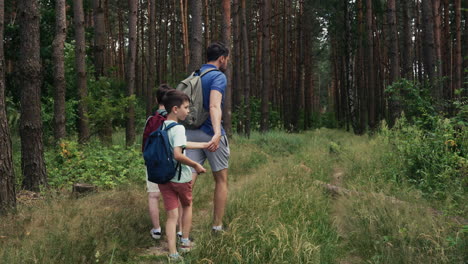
point(214, 80)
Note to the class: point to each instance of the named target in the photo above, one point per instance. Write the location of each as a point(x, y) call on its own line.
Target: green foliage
point(106, 167)
point(47, 114)
point(434, 161)
point(238, 115)
point(416, 102)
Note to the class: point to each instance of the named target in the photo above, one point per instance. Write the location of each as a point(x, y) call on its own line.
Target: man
point(214, 86)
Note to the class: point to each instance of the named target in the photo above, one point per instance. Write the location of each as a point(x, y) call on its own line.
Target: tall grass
point(276, 212)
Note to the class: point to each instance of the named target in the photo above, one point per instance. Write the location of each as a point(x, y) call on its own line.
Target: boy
point(177, 105)
point(152, 124)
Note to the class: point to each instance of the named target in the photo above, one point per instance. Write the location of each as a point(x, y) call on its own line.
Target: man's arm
point(216, 115)
point(180, 157)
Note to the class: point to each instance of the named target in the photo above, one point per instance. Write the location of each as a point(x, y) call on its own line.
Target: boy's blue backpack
point(159, 156)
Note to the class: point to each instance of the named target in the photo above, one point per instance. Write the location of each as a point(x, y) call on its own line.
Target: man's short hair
point(216, 50)
point(161, 91)
point(174, 98)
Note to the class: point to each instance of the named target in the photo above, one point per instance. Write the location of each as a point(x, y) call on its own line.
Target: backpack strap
point(178, 165)
point(207, 71)
point(171, 125)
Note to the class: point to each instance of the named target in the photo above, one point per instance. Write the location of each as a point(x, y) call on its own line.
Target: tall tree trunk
point(428, 40)
point(59, 70)
point(237, 95)
point(266, 65)
point(196, 35)
point(7, 175)
point(121, 45)
point(207, 24)
point(100, 50)
point(29, 72)
point(299, 98)
point(80, 68)
point(246, 72)
point(406, 54)
point(438, 86)
point(226, 34)
point(99, 38)
point(458, 48)
point(370, 66)
point(394, 57)
point(132, 20)
point(185, 37)
point(447, 52)
point(151, 57)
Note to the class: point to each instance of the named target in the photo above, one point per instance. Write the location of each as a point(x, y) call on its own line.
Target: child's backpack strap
point(179, 165)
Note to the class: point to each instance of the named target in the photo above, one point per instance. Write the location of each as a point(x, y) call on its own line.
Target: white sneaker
point(156, 234)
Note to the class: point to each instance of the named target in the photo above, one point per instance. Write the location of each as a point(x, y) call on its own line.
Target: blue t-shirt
point(214, 80)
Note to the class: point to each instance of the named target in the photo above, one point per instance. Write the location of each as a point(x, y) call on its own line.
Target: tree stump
point(80, 189)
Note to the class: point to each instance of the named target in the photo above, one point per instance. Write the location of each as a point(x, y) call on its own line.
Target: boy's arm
point(180, 157)
point(196, 145)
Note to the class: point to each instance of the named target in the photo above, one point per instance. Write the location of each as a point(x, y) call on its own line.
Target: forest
point(383, 84)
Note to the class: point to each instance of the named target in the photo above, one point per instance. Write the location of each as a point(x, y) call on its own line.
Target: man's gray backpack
point(192, 86)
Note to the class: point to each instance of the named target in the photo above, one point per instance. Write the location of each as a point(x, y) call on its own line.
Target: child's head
point(177, 102)
point(160, 92)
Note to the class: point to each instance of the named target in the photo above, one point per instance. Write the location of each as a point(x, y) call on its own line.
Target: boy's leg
point(220, 196)
point(187, 221)
point(172, 216)
point(153, 204)
point(180, 221)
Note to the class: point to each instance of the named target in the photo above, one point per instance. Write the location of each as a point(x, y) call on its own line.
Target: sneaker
point(156, 234)
point(179, 236)
point(175, 258)
point(218, 231)
point(186, 246)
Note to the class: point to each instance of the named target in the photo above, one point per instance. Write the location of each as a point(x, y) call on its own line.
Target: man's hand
point(213, 145)
point(199, 168)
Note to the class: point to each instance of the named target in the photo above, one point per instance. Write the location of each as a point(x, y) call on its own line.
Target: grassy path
point(276, 213)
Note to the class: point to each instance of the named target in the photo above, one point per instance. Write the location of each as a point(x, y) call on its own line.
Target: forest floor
point(280, 210)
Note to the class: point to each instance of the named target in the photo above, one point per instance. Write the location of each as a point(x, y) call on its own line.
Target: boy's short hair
point(216, 50)
point(161, 91)
point(174, 98)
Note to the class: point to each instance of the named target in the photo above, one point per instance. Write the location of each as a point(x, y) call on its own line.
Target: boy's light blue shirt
point(177, 138)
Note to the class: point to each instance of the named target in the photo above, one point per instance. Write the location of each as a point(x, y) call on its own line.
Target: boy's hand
point(199, 169)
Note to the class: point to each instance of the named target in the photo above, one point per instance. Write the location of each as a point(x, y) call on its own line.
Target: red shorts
point(173, 192)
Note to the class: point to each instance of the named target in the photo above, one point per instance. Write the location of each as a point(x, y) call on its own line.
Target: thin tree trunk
point(246, 72)
point(438, 86)
point(121, 46)
point(29, 72)
point(99, 38)
point(266, 65)
point(80, 68)
point(406, 54)
point(446, 52)
point(7, 174)
point(226, 34)
point(237, 95)
point(370, 66)
point(207, 23)
point(196, 35)
point(132, 20)
point(428, 43)
point(299, 98)
point(394, 55)
point(458, 48)
point(151, 58)
point(59, 70)
point(183, 16)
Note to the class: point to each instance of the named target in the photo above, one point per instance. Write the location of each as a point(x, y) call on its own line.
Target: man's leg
point(220, 196)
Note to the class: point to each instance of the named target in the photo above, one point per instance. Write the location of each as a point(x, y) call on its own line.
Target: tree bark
point(196, 35)
point(185, 38)
point(7, 175)
point(132, 20)
point(447, 52)
point(226, 36)
point(438, 86)
point(29, 72)
point(458, 78)
point(80, 68)
point(406, 54)
point(207, 23)
point(246, 72)
point(266, 65)
point(151, 57)
point(370, 66)
point(59, 70)
point(237, 95)
point(99, 38)
point(428, 43)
